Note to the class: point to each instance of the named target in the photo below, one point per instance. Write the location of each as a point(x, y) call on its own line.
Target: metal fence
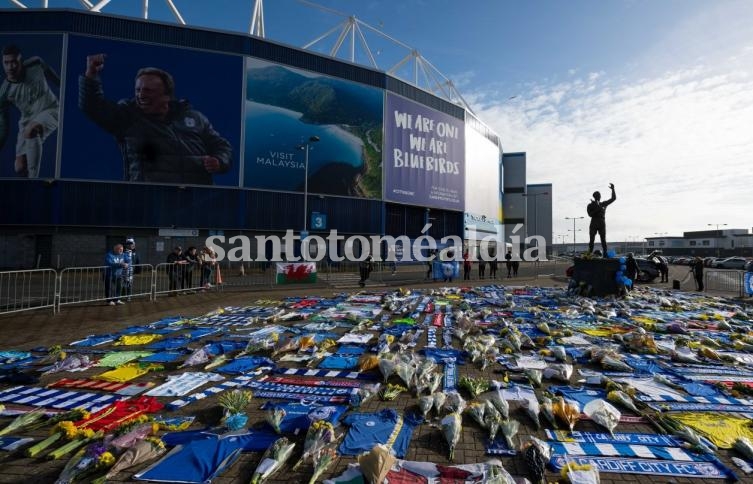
point(726, 281)
point(77, 285)
point(26, 290)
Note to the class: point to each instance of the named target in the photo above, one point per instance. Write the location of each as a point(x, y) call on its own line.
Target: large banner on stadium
point(29, 104)
point(483, 209)
point(285, 108)
point(425, 155)
point(146, 113)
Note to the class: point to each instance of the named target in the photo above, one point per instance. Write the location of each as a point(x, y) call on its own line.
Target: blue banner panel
point(425, 156)
point(295, 116)
point(146, 113)
point(29, 104)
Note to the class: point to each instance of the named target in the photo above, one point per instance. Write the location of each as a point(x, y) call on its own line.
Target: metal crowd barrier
point(727, 281)
point(26, 290)
point(77, 285)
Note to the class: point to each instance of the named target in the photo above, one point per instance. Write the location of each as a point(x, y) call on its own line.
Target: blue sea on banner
point(274, 161)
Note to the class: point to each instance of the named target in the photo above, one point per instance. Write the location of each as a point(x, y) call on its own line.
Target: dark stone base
point(596, 274)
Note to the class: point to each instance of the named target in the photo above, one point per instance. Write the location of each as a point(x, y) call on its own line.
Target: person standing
point(162, 139)
point(115, 265)
point(192, 261)
point(697, 268)
point(631, 269)
point(26, 87)
point(493, 266)
point(515, 267)
point(481, 268)
point(132, 259)
point(364, 270)
point(466, 266)
point(597, 211)
point(175, 269)
point(508, 263)
point(208, 262)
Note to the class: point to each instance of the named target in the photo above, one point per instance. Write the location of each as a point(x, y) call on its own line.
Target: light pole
point(717, 243)
point(306, 146)
point(574, 219)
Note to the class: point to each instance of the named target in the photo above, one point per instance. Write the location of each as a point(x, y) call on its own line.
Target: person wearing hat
point(130, 258)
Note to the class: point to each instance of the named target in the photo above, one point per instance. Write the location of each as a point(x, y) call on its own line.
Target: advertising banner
point(29, 104)
point(425, 155)
point(482, 191)
point(146, 113)
point(288, 109)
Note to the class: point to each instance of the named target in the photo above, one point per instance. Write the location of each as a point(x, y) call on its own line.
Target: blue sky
point(653, 95)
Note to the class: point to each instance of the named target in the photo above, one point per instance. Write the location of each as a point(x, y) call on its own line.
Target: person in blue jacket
point(115, 265)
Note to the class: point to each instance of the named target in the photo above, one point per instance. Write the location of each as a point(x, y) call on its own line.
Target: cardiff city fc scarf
point(52, 398)
point(450, 374)
point(625, 450)
point(310, 381)
point(627, 465)
point(104, 386)
point(326, 373)
point(698, 407)
point(617, 438)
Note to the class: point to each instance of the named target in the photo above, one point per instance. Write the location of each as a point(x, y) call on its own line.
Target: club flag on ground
point(296, 273)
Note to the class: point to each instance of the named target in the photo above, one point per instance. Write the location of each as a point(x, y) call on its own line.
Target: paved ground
point(41, 328)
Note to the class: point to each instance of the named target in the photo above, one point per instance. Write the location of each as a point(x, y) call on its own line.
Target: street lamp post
point(717, 243)
point(574, 219)
point(306, 146)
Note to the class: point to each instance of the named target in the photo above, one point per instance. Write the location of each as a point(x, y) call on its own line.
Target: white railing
point(26, 290)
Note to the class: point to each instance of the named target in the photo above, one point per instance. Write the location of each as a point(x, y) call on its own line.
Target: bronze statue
point(597, 210)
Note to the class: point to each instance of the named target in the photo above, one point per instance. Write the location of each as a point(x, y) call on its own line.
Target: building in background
point(513, 202)
point(539, 213)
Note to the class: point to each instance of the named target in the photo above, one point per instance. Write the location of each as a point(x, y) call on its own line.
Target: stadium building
point(248, 119)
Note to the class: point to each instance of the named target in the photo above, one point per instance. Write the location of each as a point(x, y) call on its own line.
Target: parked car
point(648, 270)
point(707, 261)
point(732, 263)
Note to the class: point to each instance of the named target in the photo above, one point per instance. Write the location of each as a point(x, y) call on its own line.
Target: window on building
point(692, 243)
point(705, 242)
point(732, 243)
point(661, 243)
point(650, 243)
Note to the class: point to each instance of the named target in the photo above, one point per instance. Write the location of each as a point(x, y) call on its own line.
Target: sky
point(655, 96)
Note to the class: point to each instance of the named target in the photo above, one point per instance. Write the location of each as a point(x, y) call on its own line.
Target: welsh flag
point(296, 272)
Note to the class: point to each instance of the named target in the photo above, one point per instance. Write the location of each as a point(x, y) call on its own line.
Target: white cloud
point(678, 145)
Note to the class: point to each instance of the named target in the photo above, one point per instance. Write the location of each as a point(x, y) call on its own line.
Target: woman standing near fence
point(191, 261)
point(208, 261)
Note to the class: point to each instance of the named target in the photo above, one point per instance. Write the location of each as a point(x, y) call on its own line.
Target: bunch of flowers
point(273, 459)
point(509, 430)
point(235, 402)
point(474, 386)
point(95, 457)
point(140, 451)
point(23, 420)
point(274, 417)
point(65, 429)
point(364, 394)
point(452, 426)
point(476, 410)
point(390, 392)
point(320, 434)
point(322, 460)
